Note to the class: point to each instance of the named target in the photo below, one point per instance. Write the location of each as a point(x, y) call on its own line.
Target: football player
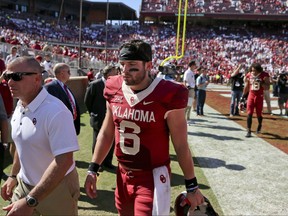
point(255, 81)
point(143, 113)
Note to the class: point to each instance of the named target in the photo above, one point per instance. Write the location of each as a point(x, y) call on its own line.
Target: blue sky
point(135, 4)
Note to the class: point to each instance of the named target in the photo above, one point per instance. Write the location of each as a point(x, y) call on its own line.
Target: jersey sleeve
point(179, 96)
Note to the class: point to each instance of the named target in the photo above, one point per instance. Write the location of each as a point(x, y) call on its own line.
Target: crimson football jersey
point(255, 82)
point(7, 97)
point(142, 134)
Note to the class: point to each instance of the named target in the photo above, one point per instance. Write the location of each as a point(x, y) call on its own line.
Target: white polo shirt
point(189, 77)
point(41, 131)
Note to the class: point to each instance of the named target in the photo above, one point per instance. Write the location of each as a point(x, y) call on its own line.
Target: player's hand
point(195, 199)
point(7, 188)
point(90, 185)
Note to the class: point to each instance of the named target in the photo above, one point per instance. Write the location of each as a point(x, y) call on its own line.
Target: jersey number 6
point(134, 149)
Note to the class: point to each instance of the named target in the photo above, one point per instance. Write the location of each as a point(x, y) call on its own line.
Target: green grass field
point(104, 203)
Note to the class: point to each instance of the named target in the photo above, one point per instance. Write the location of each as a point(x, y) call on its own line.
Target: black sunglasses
point(17, 76)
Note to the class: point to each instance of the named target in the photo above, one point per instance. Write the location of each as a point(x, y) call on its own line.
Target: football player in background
point(143, 113)
point(255, 82)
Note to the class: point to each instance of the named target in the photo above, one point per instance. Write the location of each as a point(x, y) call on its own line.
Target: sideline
point(248, 176)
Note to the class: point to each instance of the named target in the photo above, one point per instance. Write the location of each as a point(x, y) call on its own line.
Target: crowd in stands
point(218, 48)
point(219, 6)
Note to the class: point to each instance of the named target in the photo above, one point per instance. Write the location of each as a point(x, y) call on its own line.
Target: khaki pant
point(190, 103)
point(267, 100)
point(63, 200)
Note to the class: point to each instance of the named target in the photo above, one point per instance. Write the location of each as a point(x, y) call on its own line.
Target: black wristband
point(93, 167)
point(191, 184)
point(245, 96)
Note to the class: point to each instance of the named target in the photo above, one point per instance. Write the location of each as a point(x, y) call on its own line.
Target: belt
point(124, 167)
point(131, 173)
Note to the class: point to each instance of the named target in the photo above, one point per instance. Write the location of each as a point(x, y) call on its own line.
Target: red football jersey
point(7, 97)
point(142, 134)
point(255, 82)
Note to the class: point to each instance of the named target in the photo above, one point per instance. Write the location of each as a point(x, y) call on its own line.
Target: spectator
point(236, 90)
point(275, 84)
point(13, 55)
point(47, 181)
point(59, 89)
point(267, 97)
point(143, 114)
point(9, 107)
point(48, 65)
point(96, 106)
point(283, 93)
point(45, 74)
point(36, 45)
point(196, 89)
point(39, 59)
point(189, 82)
point(90, 75)
point(99, 74)
point(255, 81)
point(202, 83)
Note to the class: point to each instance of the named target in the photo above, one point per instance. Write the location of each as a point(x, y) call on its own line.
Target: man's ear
point(148, 66)
point(39, 77)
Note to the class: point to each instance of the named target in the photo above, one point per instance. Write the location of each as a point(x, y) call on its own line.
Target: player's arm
point(178, 129)
point(103, 144)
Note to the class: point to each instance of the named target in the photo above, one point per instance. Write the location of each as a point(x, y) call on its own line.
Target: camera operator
point(283, 93)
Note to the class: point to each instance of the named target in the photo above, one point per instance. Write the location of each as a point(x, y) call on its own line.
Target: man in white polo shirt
point(45, 139)
point(189, 82)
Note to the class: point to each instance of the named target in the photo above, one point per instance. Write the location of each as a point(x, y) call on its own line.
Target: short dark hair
point(108, 68)
point(30, 62)
point(257, 67)
point(191, 63)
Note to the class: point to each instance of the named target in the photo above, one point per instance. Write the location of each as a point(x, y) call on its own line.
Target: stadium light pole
point(106, 29)
point(80, 35)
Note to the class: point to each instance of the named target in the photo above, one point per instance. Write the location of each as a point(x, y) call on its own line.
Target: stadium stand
point(219, 6)
point(219, 47)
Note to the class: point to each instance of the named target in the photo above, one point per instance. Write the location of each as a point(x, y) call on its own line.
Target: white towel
point(162, 191)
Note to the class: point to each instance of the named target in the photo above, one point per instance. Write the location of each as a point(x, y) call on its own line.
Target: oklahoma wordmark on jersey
point(140, 117)
point(133, 114)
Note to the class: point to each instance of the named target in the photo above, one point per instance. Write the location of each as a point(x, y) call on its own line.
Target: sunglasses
point(17, 76)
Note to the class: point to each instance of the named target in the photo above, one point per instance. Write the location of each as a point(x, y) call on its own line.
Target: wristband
point(193, 190)
point(92, 173)
point(13, 176)
point(93, 167)
point(191, 184)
